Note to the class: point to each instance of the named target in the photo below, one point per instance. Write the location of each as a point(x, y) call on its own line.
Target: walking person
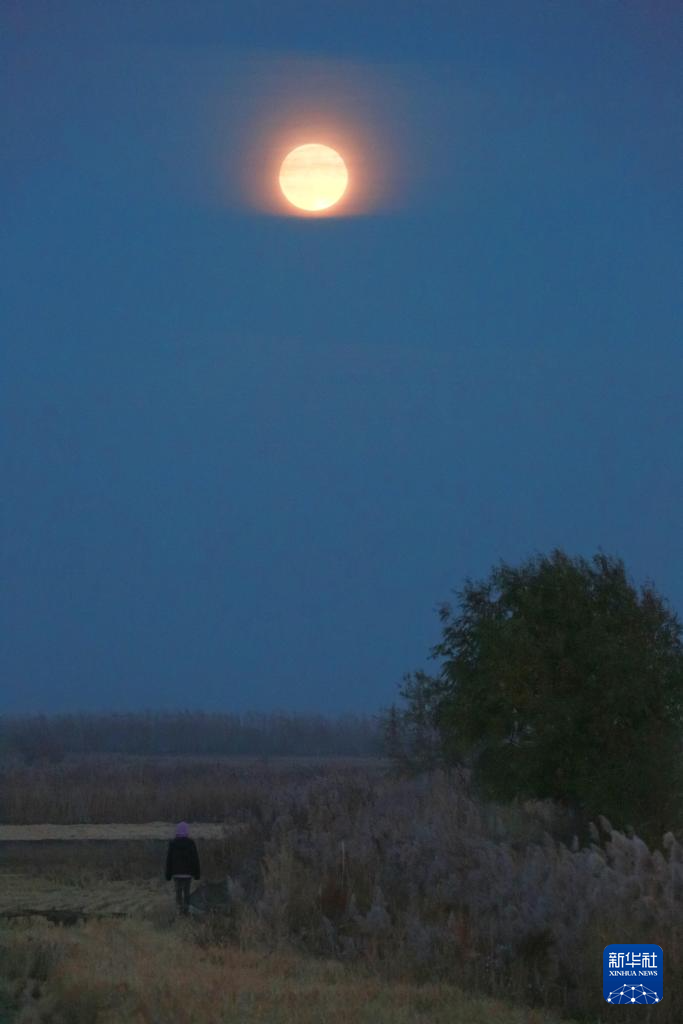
point(182, 865)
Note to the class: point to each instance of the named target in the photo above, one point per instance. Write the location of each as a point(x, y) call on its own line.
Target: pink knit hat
point(182, 830)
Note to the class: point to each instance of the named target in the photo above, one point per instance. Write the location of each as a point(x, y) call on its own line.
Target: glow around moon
point(313, 177)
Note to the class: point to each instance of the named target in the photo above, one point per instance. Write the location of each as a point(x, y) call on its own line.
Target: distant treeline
point(52, 737)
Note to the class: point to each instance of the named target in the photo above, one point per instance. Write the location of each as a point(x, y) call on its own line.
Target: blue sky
point(245, 456)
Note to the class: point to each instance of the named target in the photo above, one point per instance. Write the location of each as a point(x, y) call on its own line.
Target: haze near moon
point(313, 177)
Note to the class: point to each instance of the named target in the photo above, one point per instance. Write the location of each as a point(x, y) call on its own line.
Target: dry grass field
point(356, 896)
point(135, 972)
point(78, 947)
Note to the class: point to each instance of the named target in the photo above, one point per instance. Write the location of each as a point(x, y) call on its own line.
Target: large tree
point(559, 679)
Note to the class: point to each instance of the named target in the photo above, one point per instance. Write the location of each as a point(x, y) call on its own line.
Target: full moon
point(313, 177)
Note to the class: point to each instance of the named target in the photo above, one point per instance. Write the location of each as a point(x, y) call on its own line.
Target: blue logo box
point(633, 973)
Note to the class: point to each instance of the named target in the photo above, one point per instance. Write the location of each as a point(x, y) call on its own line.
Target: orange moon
point(313, 177)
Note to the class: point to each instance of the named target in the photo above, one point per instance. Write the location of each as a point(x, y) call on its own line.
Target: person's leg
point(187, 882)
point(178, 893)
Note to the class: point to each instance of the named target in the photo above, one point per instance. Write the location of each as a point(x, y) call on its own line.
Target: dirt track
point(146, 830)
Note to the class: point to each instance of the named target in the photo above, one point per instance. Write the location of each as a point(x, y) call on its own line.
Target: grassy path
point(131, 972)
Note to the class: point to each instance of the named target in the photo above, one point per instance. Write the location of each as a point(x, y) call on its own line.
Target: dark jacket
point(182, 858)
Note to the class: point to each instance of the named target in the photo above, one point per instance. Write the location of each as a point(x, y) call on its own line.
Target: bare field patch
point(136, 898)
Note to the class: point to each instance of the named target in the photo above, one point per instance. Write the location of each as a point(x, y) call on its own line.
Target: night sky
point(244, 455)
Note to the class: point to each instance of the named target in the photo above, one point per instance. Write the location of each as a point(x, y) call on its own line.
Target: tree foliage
point(560, 680)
